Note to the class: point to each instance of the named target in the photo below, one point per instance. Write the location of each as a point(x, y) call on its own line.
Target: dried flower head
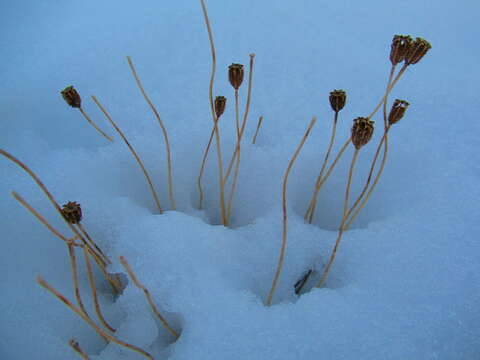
point(400, 46)
point(398, 110)
point(71, 96)
point(235, 75)
point(220, 102)
point(362, 131)
point(416, 51)
point(337, 100)
point(72, 212)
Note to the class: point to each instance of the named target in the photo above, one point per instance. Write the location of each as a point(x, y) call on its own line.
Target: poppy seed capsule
point(72, 212)
point(400, 46)
point(398, 110)
point(417, 51)
point(71, 96)
point(235, 75)
point(362, 131)
point(220, 102)
point(337, 100)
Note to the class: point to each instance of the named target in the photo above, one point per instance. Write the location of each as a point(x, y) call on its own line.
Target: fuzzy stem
point(94, 125)
point(214, 117)
point(134, 153)
point(259, 124)
point(89, 321)
point(313, 201)
point(284, 210)
point(164, 131)
point(94, 290)
point(341, 229)
point(137, 283)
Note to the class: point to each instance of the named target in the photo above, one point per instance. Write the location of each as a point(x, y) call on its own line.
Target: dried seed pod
point(398, 110)
point(337, 100)
point(220, 102)
point(235, 75)
point(416, 51)
point(362, 131)
point(72, 212)
point(400, 46)
point(71, 96)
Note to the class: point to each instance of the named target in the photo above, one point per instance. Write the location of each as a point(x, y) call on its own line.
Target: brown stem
point(313, 201)
point(284, 210)
point(245, 116)
point(92, 243)
point(330, 169)
point(94, 125)
point(202, 169)
point(76, 347)
point(94, 291)
point(341, 229)
point(89, 321)
point(239, 136)
point(137, 283)
point(164, 131)
point(134, 153)
point(259, 124)
point(73, 263)
point(214, 117)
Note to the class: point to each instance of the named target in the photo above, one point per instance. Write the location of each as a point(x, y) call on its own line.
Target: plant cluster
point(403, 50)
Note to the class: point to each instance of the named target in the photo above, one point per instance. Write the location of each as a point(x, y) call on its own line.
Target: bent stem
point(134, 153)
point(284, 210)
point(341, 229)
point(164, 131)
point(137, 283)
point(92, 243)
point(94, 291)
point(239, 136)
point(89, 321)
point(259, 124)
point(313, 201)
point(94, 125)
point(214, 117)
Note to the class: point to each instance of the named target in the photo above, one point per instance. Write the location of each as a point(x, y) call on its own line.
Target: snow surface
point(406, 281)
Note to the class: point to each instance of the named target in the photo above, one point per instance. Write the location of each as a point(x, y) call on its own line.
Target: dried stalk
point(202, 170)
point(341, 229)
point(215, 120)
point(92, 243)
point(94, 291)
point(164, 131)
point(134, 153)
point(137, 283)
point(259, 124)
point(94, 125)
point(76, 347)
point(284, 208)
point(239, 136)
point(313, 201)
point(89, 321)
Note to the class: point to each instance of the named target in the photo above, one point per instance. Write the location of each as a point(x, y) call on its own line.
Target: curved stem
point(202, 169)
point(313, 201)
point(94, 290)
point(134, 153)
point(341, 229)
point(89, 321)
point(164, 131)
point(137, 283)
point(94, 125)
point(76, 347)
point(284, 209)
point(214, 117)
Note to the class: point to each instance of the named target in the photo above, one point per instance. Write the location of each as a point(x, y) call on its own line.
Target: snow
point(406, 280)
